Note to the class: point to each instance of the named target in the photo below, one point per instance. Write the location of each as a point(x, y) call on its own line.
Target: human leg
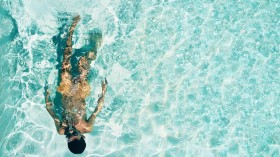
point(65, 74)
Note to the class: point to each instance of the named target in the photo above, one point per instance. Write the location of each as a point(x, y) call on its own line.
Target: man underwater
point(74, 90)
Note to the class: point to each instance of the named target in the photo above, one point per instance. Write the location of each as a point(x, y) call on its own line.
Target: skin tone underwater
point(74, 90)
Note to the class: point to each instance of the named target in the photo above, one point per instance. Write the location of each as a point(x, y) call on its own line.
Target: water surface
point(186, 77)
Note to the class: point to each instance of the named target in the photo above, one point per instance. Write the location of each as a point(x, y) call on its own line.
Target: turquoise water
point(186, 78)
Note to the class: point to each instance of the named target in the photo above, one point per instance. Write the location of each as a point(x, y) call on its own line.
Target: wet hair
point(77, 146)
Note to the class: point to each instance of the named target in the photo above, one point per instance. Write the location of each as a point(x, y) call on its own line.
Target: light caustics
point(186, 78)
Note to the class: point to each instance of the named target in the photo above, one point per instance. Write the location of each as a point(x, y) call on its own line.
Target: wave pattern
point(186, 78)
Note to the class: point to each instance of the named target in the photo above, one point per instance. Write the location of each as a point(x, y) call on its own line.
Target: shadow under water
point(14, 32)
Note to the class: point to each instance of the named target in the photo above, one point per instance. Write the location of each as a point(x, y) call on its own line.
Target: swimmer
point(74, 90)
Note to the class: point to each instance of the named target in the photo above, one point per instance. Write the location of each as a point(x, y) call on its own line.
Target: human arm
point(49, 107)
point(99, 106)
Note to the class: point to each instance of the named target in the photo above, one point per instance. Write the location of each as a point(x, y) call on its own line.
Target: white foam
point(118, 74)
point(7, 25)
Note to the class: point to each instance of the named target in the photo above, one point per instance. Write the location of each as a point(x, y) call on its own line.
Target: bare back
point(75, 90)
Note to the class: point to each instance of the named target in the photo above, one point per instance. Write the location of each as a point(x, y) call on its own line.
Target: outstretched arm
point(99, 106)
point(49, 107)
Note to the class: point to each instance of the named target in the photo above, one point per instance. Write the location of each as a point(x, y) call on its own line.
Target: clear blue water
point(186, 78)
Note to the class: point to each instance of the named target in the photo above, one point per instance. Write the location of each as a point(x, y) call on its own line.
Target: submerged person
point(74, 90)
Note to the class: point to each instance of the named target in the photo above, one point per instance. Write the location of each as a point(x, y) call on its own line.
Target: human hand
point(47, 98)
point(77, 18)
point(104, 86)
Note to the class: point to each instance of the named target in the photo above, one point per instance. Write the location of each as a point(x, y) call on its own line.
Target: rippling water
point(186, 77)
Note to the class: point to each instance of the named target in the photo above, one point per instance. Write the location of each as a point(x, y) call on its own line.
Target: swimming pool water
point(186, 78)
